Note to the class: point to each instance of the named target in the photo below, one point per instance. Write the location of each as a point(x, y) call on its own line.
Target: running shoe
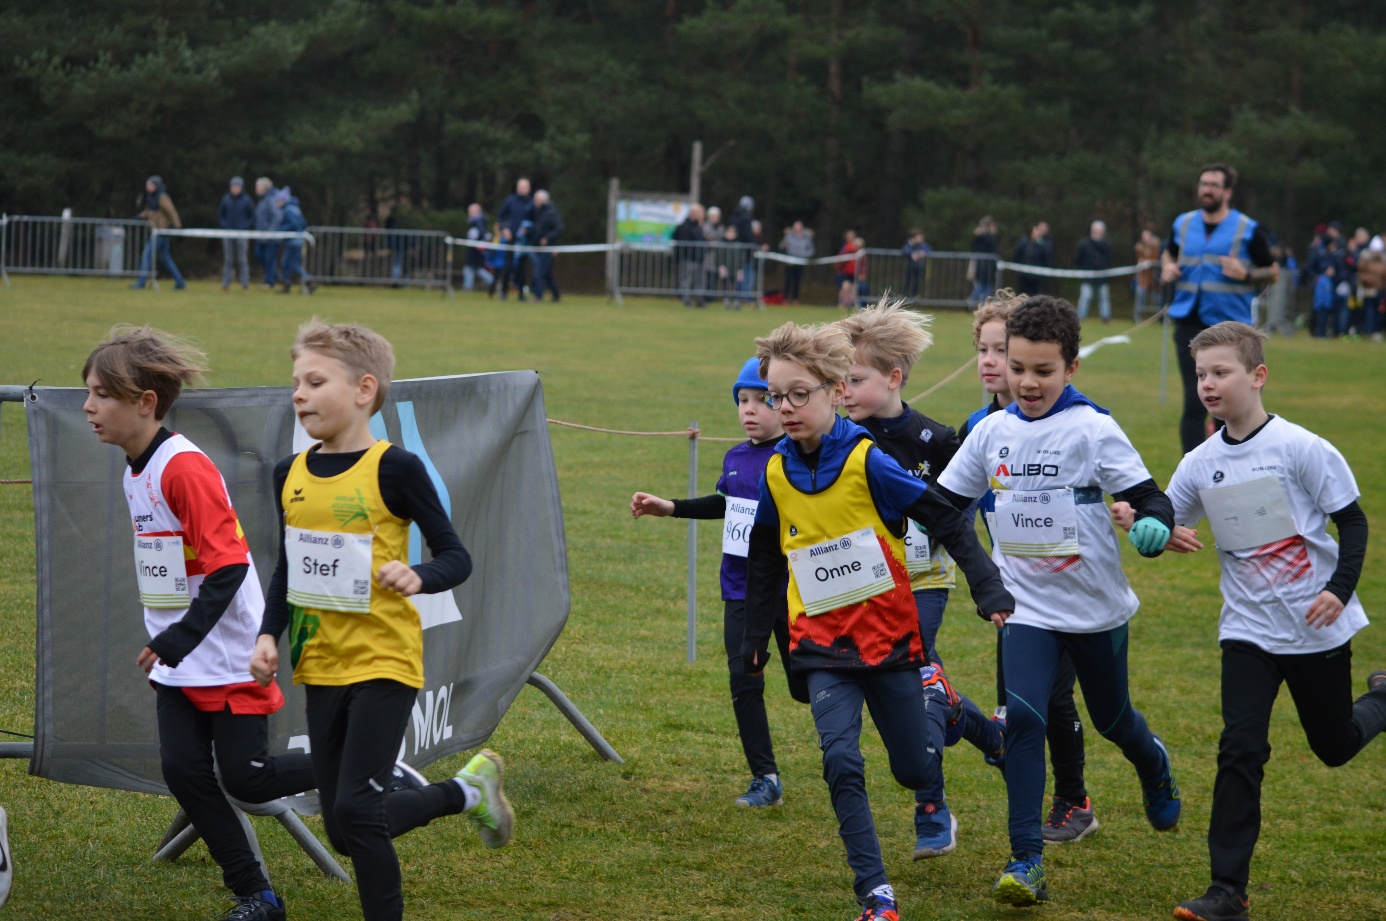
point(1162, 797)
point(936, 831)
point(251, 908)
point(1021, 883)
point(997, 757)
point(1069, 821)
point(495, 820)
point(937, 685)
point(1376, 679)
point(878, 908)
point(764, 791)
point(1217, 904)
point(404, 777)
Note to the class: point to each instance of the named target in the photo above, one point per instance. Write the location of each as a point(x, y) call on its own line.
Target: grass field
point(659, 837)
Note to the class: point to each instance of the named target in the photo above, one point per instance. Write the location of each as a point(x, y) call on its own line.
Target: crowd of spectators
point(1347, 276)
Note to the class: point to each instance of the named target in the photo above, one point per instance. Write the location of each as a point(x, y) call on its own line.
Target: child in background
point(886, 341)
point(356, 640)
point(1049, 457)
point(1323, 304)
point(834, 508)
point(1289, 605)
point(1071, 815)
point(735, 501)
point(202, 607)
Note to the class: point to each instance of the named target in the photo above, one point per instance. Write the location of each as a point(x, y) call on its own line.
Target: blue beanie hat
point(749, 377)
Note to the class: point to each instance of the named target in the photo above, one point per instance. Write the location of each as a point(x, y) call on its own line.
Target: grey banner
point(485, 442)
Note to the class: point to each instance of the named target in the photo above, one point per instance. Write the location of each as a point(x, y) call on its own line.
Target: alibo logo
point(1026, 470)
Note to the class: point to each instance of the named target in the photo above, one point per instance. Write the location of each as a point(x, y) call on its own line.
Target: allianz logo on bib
point(305, 538)
point(843, 544)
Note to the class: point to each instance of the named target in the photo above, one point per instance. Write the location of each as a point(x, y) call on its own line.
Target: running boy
point(887, 340)
point(835, 509)
point(356, 640)
point(202, 607)
point(1289, 608)
point(1049, 457)
point(735, 501)
point(1071, 815)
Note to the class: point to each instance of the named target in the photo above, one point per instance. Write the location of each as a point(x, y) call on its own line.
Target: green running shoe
point(1021, 883)
point(495, 820)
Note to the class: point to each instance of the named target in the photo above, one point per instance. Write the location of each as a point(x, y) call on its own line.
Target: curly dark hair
point(1042, 318)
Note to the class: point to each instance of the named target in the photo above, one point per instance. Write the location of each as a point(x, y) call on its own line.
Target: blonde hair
point(996, 307)
point(138, 358)
point(823, 350)
point(887, 335)
point(360, 349)
point(1249, 343)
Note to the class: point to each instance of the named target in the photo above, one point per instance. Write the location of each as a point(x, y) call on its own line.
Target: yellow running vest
point(333, 647)
point(879, 632)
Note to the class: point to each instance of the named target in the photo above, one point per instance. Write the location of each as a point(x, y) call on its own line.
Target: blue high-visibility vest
point(1202, 283)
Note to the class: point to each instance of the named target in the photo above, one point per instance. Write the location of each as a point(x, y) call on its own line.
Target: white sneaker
point(6, 867)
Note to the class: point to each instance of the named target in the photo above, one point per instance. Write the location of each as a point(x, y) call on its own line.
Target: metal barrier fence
point(36, 245)
point(370, 256)
point(696, 273)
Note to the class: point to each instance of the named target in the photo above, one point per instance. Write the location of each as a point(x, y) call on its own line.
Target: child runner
point(1071, 815)
point(202, 606)
point(835, 508)
point(356, 640)
point(1049, 457)
point(1289, 608)
point(735, 501)
point(886, 341)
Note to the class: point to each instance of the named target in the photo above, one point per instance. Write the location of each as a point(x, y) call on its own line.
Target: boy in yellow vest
point(356, 640)
point(835, 508)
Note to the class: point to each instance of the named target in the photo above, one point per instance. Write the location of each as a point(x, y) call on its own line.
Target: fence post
point(693, 544)
point(153, 257)
point(4, 246)
point(447, 241)
point(761, 265)
point(1164, 356)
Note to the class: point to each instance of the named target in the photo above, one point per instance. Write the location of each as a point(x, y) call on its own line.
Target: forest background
point(871, 115)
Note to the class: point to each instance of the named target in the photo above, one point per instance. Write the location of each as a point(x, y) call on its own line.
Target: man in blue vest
point(1215, 257)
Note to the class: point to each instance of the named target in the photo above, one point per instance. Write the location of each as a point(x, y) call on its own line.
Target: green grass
point(659, 837)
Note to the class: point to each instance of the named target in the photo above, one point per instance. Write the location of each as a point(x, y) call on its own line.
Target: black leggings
point(1064, 729)
point(1336, 727)
point(1193, 422)
point(188, 737)
point(356, 731)
point(748, 691)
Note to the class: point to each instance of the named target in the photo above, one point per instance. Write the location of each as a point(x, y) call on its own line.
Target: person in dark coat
point(1035, 249)
point(236, 212)
point(547, 231)
point(1095, 255)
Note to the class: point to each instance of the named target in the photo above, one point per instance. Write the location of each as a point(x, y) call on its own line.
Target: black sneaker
point(251, 908)
point(1217, 904)
point(1069, 821)
point(1376, 679)
point(404, 777)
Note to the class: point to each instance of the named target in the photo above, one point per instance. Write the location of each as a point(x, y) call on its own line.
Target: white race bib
point(329, 570)
point(1038, 522)
point(736, 529)
point(917, 557)
point(1250, 514)
point(161, 572)
point(841, 571)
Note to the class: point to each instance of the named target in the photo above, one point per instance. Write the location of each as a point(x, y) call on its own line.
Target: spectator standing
point(746, 235)
point(1214, 256)
point(267, 218)
point(847, 271)
point(715, 234)
point(981, 269)
point(516, 211)
point(161, 215)
point(915, 250)
point(236, 212)
point(1033, 249)
point(500, 261)
point(1371, 282)
point(474, 266)
point(291, 220)
point(1147, 250)
point(548, 231)
point(688, 255)
point(1094, 254)
point(798, 244)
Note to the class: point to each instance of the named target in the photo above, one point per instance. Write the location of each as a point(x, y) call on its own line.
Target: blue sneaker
point(935, 829)
point(1021, 883)
point(937, 686)
point(765, 790)
point(997, 756)
point(878, 908)
point(1162, 804)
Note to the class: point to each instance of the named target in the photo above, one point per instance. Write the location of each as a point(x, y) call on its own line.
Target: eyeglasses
point(798, 397)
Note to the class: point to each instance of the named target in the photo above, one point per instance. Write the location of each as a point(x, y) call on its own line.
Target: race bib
point(840, 572)
point(1250, 514)
point(736, 529)
point(1038, 522)
point(917, 557)
point(161, 572)
point(329, 570)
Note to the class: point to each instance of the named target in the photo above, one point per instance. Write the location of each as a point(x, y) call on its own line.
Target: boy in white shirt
point(1049, 457)
point(1289, 609)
